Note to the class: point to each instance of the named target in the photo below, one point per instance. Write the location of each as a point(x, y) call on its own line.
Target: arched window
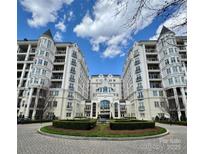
point(104, 104)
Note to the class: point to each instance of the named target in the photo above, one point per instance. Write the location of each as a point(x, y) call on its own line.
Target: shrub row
point(183, 123)
point(75, 124)
point(131, 125)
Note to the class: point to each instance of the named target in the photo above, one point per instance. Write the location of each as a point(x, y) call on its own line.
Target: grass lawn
point(103, 130)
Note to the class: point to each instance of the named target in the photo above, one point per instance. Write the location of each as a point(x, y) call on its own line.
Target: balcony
point(59, 61)
point(61, 52)
point(57, 77)
point(138, 79)
point(152, 60)
point(151, 51)
point(139, 87)
point(137, 71)
point(72, 80)
point(182, 47)
point(32, 50)
point(141, 108)
point(183, 56)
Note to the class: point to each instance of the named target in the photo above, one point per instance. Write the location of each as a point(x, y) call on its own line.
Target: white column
point(119, 110)
point(28, 103)
point(184, 99)
point(91, 110)
point(177, 103)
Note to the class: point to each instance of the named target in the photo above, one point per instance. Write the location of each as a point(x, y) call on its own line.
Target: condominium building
point(53, 81)
point(154, 77)
point(52, 78)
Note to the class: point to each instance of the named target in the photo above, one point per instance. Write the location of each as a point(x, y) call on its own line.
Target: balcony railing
point(58, 69)
point(59, 60)
point(137, 71)
point(139, 87)
point(184, 56)
point(141, 108)
point(150, 50)
point(152, 59)
point(138, 79)
point(60, 52)
point(182, 47)
point(57, 77)
point(72, 79)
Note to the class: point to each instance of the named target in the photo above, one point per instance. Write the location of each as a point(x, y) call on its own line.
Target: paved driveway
point(30, 142)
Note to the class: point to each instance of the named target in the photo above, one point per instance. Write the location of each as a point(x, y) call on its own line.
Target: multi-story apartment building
point(154, 77)
point(52, 80)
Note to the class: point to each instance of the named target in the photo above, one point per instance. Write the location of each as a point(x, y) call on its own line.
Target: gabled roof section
point(48, 34)
point(165, 30)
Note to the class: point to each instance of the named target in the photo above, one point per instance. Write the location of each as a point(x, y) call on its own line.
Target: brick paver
point(30, 142)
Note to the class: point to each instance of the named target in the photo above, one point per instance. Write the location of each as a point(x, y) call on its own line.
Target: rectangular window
point(42, 81)
point(182, 78)
point(160, 93)
point(170, 81)
point(162, 104)
point(41, 52)
point(68, 114)
point(45, 63)
point(142, 115)
point(165, 52)
point(166, 61)
point(40, 61)
point(171, 50)
point(47, 54)
point(168, 71)
point(175, 69)
point(156, 104)
point(36, 81)
point(55, 103)
point(155, 93)
point(38, 70)
point(69, 105)
point(177, 80)
point(44, 72)
point(173, 60)
point(49, 44)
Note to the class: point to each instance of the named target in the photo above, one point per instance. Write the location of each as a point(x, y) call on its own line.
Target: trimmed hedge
point(131, 124)
point(183, 123)
point(75, 124)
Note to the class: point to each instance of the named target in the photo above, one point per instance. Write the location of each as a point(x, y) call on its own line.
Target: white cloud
point(58, 36)
point(43, 11)
point(173, 23)
point(61, 26)
point(104, 27)
point(111, 51)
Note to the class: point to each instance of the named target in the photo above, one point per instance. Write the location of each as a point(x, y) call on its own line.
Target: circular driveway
point(31, 142)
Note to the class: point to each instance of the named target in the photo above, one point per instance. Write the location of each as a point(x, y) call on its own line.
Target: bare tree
point(166, 9)
point(48, 103)
point(170, 108)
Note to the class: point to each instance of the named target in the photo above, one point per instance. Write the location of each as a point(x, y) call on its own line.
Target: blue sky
point(103, 39)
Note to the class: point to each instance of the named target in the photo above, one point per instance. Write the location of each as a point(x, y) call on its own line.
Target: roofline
point(106, 75)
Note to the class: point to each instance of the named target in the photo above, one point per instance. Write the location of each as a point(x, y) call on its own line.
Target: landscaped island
point(116, 128)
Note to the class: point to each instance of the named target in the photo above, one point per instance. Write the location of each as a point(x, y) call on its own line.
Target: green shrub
point(75, 124)
point(131, 124)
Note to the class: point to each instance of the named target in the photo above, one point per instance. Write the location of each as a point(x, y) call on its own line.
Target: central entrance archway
point(104, 109)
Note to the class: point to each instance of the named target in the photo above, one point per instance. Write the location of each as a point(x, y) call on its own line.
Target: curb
point(103, 138)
